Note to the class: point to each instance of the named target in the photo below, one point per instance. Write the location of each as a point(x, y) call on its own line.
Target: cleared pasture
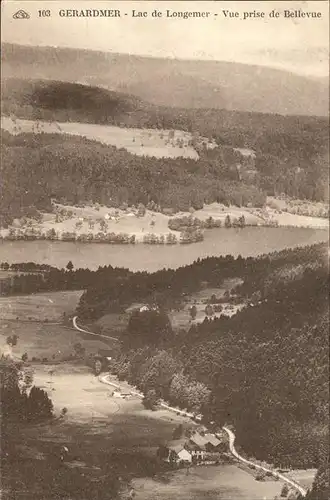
point(48, 306)
point(303, 477)
point(47, 342)
point(124, 423)
point(222, 482)
point(143, 142)
point(183, 319)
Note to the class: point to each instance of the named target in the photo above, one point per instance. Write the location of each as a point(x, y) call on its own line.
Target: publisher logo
point(21, 14)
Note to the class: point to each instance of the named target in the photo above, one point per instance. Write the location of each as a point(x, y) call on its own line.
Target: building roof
point(212, 439)
point(184, 453)
point(246, 152)
point(198, 440)
point(176, 446)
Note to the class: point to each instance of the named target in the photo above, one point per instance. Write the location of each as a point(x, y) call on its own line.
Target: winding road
point(74, 321)
point(231, 436)
point(274, 473)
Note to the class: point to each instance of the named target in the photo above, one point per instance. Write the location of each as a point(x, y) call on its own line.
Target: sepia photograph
point(164, 250)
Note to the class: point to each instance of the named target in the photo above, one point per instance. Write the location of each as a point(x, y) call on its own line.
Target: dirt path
point(74, 321)
point(292, 483)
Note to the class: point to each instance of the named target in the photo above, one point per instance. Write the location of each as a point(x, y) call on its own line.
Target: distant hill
point(64, 101)
point(172, 82)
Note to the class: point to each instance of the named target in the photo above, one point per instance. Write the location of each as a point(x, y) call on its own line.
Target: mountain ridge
point(173, 82)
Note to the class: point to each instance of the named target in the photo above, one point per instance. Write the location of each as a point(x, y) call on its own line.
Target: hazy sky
point(299, 45)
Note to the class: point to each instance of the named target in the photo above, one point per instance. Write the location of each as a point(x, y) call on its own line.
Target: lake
point(250, 241)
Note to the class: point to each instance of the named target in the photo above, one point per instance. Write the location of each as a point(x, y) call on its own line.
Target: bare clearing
point(303, 477)
point(183, 319)
point(36, 320)
point(143, 142)
point(224, 482)
point(125, 421)
point(39, 307)
point(299, 207)
point(47, 342)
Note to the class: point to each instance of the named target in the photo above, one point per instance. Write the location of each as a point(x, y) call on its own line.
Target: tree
point(12, 340)
point(39, 405)
point(15, 400)
point(209, 223)
point(150, 400)
point(151, 326)
point(227, 221)
point(79, 350)
point(141, 210)
point(24, 357)
point(69, 266)
point(97, 366)
point(241, 221)
point(193, 312)
point(51, 234)
point(162, 452)
point(157, 373)
point(64, 411)
point(178, 431)
point(209, 310)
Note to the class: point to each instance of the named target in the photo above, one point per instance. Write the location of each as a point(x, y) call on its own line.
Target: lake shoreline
point(250, 242)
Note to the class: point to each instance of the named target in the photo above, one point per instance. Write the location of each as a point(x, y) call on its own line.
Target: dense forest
point(77, 170)
point(291, 153)
point(320, 489)
point(265, 370)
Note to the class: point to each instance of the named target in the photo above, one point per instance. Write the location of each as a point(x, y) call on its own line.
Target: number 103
point(43, 13)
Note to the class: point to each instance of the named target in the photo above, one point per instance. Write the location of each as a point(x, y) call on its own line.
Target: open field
point(303, 477)
point(224, 482)
point(90, 220)
point(47, 342)
point(35, 319)
point(182, 318)
point(39, 307)
point(93, 219)
point(299, 207)
point(87, 399)
point(294, 220)
point(146, 142)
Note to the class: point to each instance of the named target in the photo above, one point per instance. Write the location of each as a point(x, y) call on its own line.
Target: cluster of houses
point(199, 447)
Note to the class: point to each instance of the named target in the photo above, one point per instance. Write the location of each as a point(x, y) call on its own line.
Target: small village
point(197, 448)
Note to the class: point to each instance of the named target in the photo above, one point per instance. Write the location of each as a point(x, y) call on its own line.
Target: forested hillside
point(265, 370)
point(291, 152)
point(36, 168)
point(320, 489)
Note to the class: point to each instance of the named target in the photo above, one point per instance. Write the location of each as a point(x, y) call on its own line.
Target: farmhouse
point(179, 454)
point(123, 395)
point(198, 441)
point(213, 443)
point(197, 446)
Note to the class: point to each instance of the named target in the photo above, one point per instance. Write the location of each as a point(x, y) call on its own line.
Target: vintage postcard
point(164, 258)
